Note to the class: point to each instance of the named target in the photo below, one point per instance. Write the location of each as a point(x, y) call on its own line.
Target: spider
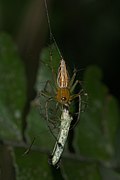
point(63, 91)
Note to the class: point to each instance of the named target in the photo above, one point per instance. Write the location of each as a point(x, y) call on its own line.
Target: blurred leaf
point(12, 89)
point(33, 166)
point(108, 173)
point(98, 124)
point(7, 163)
point(81, 170)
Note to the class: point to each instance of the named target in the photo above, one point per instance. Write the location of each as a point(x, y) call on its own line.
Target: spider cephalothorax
point(65, 85)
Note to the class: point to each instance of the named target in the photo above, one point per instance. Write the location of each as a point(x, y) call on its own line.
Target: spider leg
point(84, 96)
point(47, 118)
point(72, 79)
point(78, 95)
point(48, 82)
point(74, 85)
point(29, 148)
point(79, 107)
point(81, 91)
point(45, 91)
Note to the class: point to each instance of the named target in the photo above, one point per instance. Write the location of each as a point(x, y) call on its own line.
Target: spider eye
point(63, 98)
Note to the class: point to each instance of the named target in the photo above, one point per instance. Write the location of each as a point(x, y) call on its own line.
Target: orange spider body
point(63, 95)
point(63, 92)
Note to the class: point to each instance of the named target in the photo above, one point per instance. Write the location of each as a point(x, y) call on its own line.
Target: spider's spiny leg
point(47, 118)
point(72, 79)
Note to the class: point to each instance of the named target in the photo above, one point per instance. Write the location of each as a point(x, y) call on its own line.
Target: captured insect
point(55, 101)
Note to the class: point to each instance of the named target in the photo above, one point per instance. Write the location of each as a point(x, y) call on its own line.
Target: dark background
point(87, 32)
point(91, 35)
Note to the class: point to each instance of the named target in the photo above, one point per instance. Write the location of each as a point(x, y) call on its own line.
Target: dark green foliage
point(12, 89)
point(97, 154)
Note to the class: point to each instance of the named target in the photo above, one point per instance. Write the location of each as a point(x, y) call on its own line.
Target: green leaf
point(98, 125)
point(108, 173)
point(81, 170)
point(33, 166)
point(12, 89)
